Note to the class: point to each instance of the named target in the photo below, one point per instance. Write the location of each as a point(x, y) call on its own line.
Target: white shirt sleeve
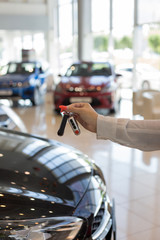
point(140, 134)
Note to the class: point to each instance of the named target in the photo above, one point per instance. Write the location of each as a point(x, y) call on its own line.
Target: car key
point(63, 124)
point(72, 121)
point(74, 125)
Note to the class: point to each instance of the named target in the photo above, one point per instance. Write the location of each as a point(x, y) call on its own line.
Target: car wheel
point(15, 103)
point(37, 97)
point(145, 85)
point(115, 108)
point(112, 111)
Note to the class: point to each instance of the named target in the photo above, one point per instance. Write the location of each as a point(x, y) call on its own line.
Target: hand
point(85, 115)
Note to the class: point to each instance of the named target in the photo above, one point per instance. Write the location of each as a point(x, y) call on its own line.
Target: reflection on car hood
point(86, 81)
point(14, 77)
point(38, 176)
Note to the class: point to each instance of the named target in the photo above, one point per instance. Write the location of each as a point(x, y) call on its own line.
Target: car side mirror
point(40, 70)
point(118, 75)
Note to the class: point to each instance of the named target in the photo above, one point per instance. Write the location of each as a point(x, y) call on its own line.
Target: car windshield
point(18, 68)
point(89, 69)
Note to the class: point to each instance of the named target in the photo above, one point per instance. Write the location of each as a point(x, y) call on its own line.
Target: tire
point(15, 103)
point(112, 111)
point(115, 108)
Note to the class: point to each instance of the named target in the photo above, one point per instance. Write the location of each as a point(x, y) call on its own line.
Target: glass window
point(100, 16)
point(123, 22)
point(148, 11)
point(65, 33)
point(27, 42)
point(65, 22)
point(39, 45)
point(149, 45)
point(64, 1)
point(100, 28)
point(123, 17)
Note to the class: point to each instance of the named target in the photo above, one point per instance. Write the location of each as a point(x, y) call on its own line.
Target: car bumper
point(17, 92)
point(105, 100)
point(20, 93)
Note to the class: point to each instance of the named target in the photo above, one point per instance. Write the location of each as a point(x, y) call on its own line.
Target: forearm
point(140, 134)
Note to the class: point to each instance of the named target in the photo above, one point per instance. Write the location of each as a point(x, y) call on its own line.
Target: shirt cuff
point(106, 127)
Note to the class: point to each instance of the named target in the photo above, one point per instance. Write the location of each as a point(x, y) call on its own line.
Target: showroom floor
point(132, 176)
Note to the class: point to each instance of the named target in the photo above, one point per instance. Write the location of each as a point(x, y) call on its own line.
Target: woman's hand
point(85, 115)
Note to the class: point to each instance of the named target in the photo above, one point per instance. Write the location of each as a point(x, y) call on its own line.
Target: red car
point(92, 82)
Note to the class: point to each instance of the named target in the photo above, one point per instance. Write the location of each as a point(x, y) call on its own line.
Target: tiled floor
point(133, 176)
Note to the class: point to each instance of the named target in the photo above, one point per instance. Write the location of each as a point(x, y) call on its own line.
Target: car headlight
point(20, 84)
point(43, 228)
point(106, 89)
point(109, 88)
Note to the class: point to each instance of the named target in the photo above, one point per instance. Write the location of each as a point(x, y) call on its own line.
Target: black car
point(49, 190)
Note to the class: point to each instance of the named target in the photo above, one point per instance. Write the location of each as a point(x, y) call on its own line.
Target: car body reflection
point(42, 183)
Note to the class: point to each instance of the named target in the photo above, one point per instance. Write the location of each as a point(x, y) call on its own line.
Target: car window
point(4, 70)
point(77, 70)
point(28, 67)
point(21, 68)
point(101, 69)
point(126, 69)
point(89, 69)
point(12, 68)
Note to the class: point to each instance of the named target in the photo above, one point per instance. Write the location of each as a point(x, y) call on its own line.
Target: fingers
point(85, 115)
point(75, 106)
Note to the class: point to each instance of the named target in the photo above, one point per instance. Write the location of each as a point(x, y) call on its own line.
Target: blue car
point(23, 80)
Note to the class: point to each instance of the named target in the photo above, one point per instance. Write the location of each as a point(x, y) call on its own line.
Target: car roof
point(18, 62)
point(91, 62)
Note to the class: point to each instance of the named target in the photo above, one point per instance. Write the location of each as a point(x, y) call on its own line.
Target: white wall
point(23, 16)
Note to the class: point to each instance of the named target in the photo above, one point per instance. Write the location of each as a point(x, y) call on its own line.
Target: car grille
point(95, 102)
point(102, 221)
point(83, 90)
point(12, 84)
point(98, 218)
point(7, 84)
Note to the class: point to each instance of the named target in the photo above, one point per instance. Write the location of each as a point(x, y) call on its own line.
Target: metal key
point(62, 125)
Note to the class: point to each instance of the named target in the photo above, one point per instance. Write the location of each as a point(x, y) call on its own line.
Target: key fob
point(74, 125)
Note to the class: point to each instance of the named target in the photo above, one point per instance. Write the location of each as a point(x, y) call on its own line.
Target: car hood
point(14, 78)
point(39, 177)
point(86, 82)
